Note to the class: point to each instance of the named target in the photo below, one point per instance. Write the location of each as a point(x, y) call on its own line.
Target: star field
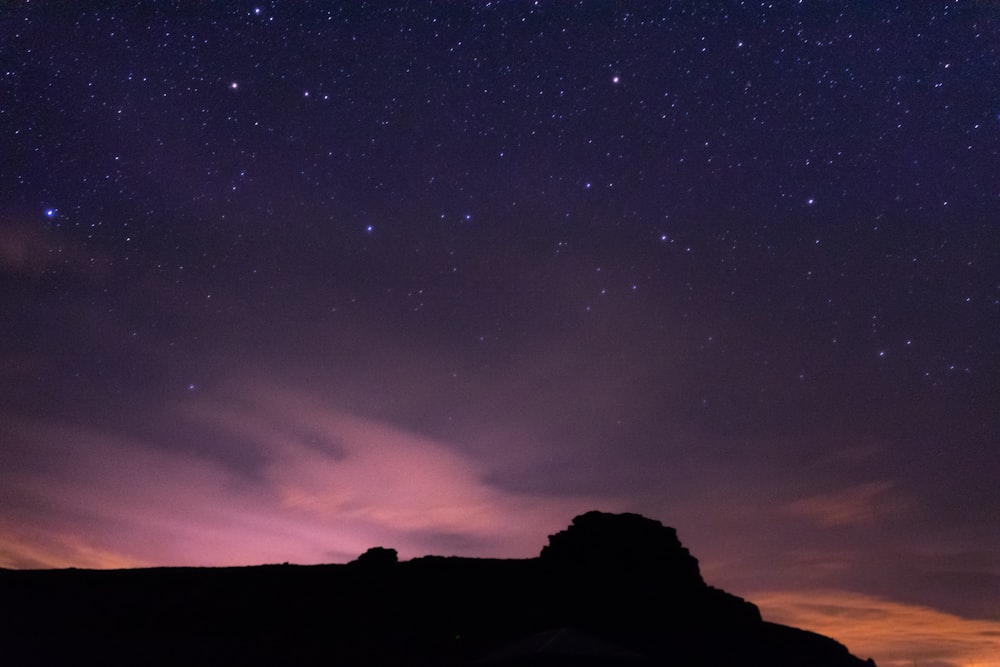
point(733, 265)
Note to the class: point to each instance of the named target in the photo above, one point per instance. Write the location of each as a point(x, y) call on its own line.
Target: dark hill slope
point(609, 590)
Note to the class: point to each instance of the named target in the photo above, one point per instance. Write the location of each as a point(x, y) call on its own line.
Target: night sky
point(285, 281)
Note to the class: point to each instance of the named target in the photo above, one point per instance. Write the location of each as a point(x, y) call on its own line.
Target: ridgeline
point(610, 590)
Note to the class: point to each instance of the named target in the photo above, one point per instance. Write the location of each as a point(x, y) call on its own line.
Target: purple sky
point(282, 283)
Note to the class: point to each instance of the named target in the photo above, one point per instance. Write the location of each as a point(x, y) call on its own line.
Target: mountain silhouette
point(611, 589)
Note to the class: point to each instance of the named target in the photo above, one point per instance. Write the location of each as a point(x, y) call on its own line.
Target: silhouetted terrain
point(609, 590)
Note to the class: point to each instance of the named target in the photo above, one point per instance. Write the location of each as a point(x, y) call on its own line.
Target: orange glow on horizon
point(894, 634)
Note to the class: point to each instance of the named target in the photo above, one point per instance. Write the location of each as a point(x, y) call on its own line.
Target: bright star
point(50, 213)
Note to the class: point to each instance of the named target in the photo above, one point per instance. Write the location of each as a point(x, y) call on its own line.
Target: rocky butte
point(610, 590)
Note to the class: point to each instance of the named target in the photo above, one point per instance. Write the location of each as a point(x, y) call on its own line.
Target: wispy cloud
point(857, 504)
point(890, 632)
point(330, 485)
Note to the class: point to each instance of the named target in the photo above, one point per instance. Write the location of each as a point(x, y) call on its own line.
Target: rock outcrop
point(622, 542)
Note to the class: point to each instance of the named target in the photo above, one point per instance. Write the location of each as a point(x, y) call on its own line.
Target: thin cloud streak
point(859, 504)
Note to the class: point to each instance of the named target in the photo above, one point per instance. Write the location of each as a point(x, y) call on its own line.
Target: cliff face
point(610, 589)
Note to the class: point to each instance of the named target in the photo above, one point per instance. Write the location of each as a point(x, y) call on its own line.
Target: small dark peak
point(603, 540)
point(377, 557)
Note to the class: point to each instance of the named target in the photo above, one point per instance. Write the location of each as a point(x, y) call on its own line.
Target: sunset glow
point(895, 634)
